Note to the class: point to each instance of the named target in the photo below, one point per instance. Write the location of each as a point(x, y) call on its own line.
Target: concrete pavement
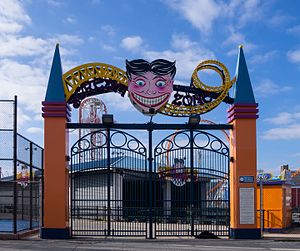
point(168, 244)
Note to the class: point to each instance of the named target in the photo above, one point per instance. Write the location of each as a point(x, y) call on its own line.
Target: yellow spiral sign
point(220, 91)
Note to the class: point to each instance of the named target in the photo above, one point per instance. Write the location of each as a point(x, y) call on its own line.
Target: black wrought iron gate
point(192, 176)
point(119, 188)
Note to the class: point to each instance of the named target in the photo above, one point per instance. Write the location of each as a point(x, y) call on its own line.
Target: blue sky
point(187, 31)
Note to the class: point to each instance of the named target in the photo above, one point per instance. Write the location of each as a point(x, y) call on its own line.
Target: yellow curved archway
point(75, 77)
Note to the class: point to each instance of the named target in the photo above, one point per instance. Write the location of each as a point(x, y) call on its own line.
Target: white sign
point(247, 206)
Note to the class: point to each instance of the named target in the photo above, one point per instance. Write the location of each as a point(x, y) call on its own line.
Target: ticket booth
point(276, 205)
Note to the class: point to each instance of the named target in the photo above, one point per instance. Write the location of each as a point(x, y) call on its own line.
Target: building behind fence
point(21, 175)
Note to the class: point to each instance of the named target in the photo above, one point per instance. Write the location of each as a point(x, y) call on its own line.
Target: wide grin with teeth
point(150, 102)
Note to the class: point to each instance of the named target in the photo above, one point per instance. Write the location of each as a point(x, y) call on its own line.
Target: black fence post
point(15, 166)
point(22, 203)
point(150, 161)
point(30, 184)
point(192, 188)
point(72, 208)
point(108, 182)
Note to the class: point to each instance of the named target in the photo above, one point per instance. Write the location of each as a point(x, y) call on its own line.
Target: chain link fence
point(21, 175)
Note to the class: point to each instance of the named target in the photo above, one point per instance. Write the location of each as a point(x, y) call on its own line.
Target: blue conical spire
point(55, 90)
point(243, 89)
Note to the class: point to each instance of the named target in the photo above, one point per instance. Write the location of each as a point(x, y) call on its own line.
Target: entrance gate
point(160, 189)
point(178, 188)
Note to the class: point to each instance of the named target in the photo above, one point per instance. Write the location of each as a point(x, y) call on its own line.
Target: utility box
point(277, 208)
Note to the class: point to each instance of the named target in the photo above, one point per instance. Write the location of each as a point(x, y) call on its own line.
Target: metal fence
point(21, 175)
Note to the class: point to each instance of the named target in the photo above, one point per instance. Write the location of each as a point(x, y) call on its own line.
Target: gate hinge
point(67, 158)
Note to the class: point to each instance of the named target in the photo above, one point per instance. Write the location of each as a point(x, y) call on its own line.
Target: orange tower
point(242, 115)
point(56, 113)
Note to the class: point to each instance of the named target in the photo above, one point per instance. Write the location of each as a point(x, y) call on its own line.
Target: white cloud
point(239, 13)
point(278, 19)
point(70, 20)
point(181, 42)
point(284, 118)
point(294, 30)
point(294, 56)
point(25, 81)
point(200, 13)
point(248, 11)
point(69, 39)
point(10, 27)
point(22, 117)
point(283, 133)
point(34, 130)
point(235, 39)
point(263, 58)
point(267, 87)
point(96, 1)
point(55, 3)
point(187, 54)
point(91, 39)
point(11, 46)
point(12, 16)
point(116, 101)
point(289, 126)
point(38, 117)
point(107, 47)
point(108, 29)
point(131, 43)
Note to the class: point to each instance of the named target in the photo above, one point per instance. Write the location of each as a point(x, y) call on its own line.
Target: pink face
point(150, 91)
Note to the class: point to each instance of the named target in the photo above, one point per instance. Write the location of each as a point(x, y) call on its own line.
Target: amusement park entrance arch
point(166, 188)
point(178, 187)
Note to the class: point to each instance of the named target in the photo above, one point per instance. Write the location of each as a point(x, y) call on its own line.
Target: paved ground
point(292, 234)
point(136, 244)
point(288, 241)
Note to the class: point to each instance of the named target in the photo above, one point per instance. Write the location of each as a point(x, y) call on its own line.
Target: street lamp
point(107, 119)
point(194, 119)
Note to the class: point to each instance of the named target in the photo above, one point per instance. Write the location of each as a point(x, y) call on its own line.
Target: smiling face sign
point(150, 84)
